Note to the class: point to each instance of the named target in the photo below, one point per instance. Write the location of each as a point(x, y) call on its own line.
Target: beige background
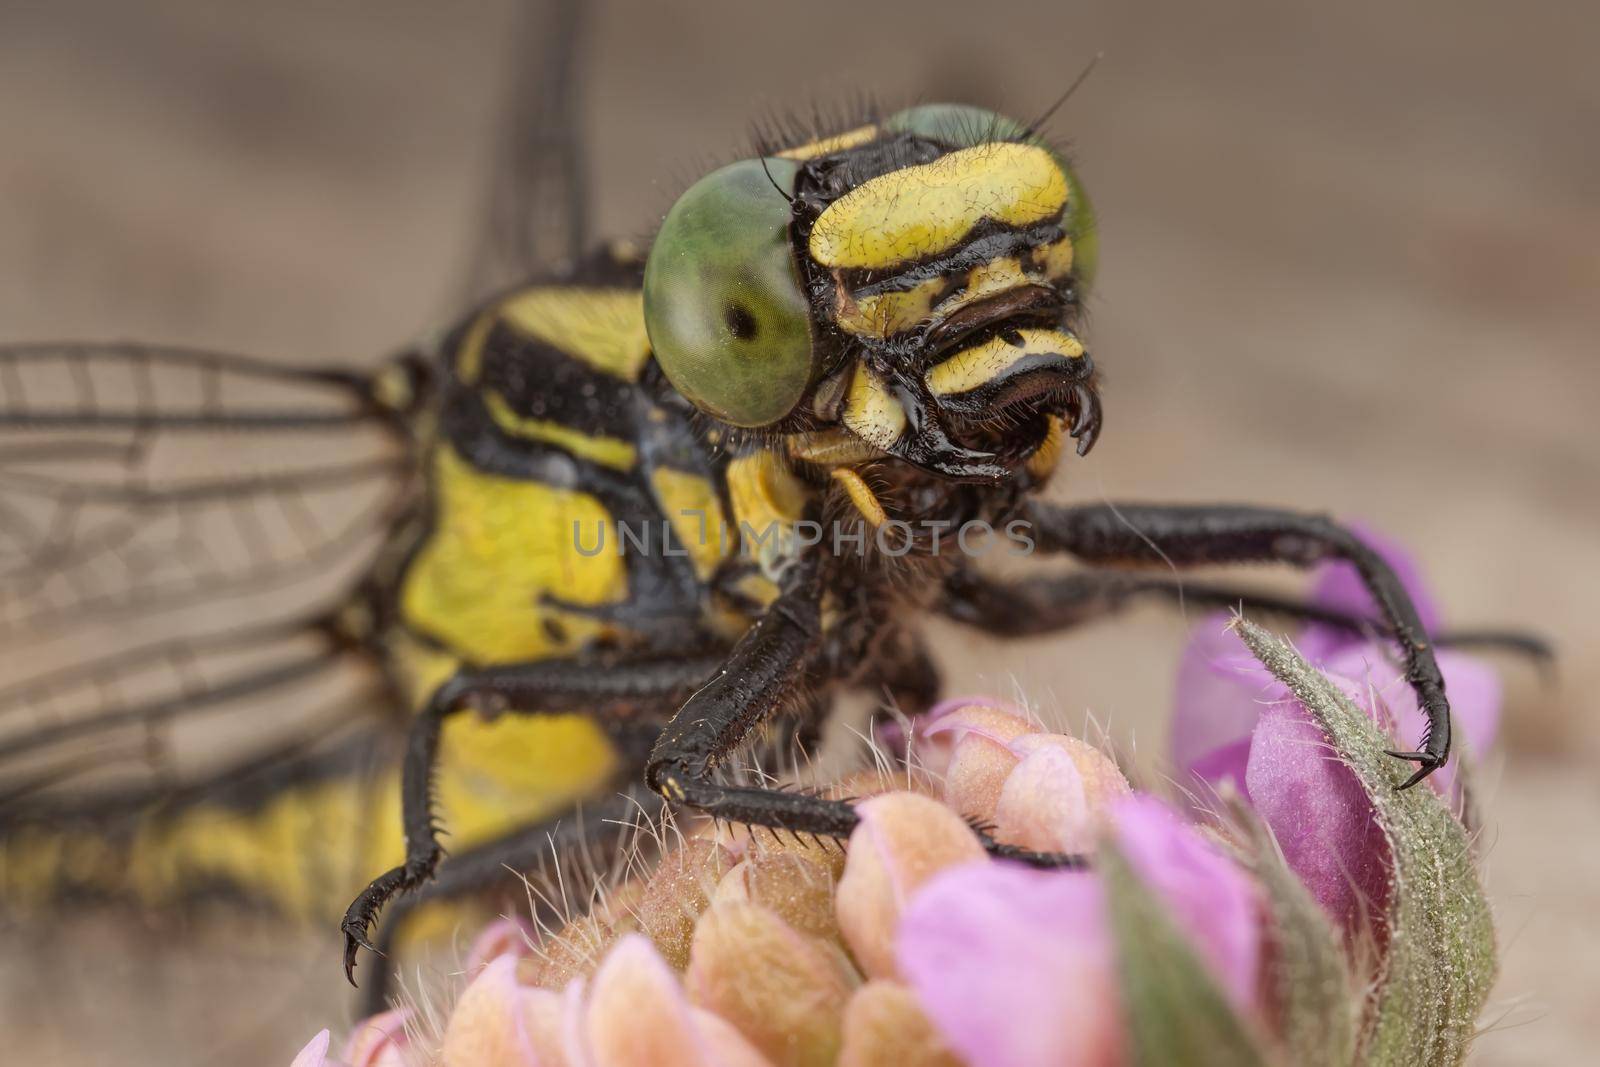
point(1350, 258)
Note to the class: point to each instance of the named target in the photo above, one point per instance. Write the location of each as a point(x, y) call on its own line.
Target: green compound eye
point(964, 126)
point(723, 304)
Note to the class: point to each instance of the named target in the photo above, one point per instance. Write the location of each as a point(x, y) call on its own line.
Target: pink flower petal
point(315, 1054)
point(1042, 805)
point(499, 1022)
point(1220, 692)
point(1211, 900)
point(379, 1041)
point(1015, 967)
point(501, 937)
point(1320, 814)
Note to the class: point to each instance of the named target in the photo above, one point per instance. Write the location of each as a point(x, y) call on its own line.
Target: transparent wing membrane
point(536, 219)
point(152, 500)
point(171, 716)
point(135, 478)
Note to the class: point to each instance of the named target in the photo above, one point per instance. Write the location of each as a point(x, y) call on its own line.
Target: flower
point(380, 1041)
point(911, 946)
point(1235, 724)
point(1015, 966)
point(1019, 966)
point(1037, 790)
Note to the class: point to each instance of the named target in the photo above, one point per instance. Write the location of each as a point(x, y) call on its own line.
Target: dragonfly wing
point(536, 221)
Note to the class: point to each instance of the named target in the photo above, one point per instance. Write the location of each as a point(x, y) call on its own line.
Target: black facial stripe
point(989, 241)
point(539, 381)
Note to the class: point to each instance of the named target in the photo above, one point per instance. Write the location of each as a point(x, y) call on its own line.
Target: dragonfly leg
point(615, 693)
point(1181, 536)
point(604, 826)
point(1059, 602)
point(768, 670)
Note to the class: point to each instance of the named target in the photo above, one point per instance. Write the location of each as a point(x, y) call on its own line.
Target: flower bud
point(793, 888)
point(980, 759)
point(1055, 797)
point(902, 841)
point(676, 894)
point(884, 1026)
point(498, 1022)
point(637, 1015)
point(380, 1041)
point(783, 990)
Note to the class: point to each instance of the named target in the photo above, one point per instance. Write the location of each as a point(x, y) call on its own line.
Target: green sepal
point(1308, 983)
point(1440, 961)
point(1173, 1010)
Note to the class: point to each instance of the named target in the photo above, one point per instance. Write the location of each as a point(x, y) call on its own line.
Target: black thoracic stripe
point(826, 178)
point(988, 241)
point(660, 586)
point(539, 381)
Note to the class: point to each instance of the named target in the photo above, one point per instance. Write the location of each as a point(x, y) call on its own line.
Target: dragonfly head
point(912, 283)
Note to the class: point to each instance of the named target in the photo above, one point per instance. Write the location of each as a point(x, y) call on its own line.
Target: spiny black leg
point(1059, 602)
point(766, 670)
point(602, 825)
point(611, 691)
point(1157, 535)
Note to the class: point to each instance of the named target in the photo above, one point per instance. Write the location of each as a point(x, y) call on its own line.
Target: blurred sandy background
point(1350, 253)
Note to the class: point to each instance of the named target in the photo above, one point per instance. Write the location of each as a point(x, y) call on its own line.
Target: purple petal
point(1338, 586)
point(1013, 966)
point(1220, 692)
point(1320, 814)
point(1211, 900)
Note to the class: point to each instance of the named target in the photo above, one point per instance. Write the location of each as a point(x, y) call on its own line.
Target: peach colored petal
point(902, 841)
point(379, 1041)
point(498, 1022)
point(637, 1013)
point(676, 894)
point(504, 936)
point(788, 884)
point(980, 757)
point(572, 953)
point(1103, 781)
point(938, 732)
point(1042, 805)
point(884, 1026)
point(727, 1046)
point(1056, 796)
point(783, 990)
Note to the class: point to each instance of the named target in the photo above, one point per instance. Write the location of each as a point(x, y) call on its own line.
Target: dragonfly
point(838, 357)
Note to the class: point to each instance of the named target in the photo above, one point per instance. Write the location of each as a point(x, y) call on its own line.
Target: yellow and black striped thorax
point(577, 502)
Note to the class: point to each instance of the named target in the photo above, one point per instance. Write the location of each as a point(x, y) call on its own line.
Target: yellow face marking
point(767, 502)
point(896, 312)
point(837, 143)
point(929, 209)
point(1042, 464)
point(691, 505)
point(981, 364)
point(831, 448)
point(498, 546)
point(606, 451)
point(871, 412)
point(602, 327)
point(862, 496)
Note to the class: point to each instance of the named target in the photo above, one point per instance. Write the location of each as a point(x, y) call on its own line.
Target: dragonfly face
point(910, 286)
